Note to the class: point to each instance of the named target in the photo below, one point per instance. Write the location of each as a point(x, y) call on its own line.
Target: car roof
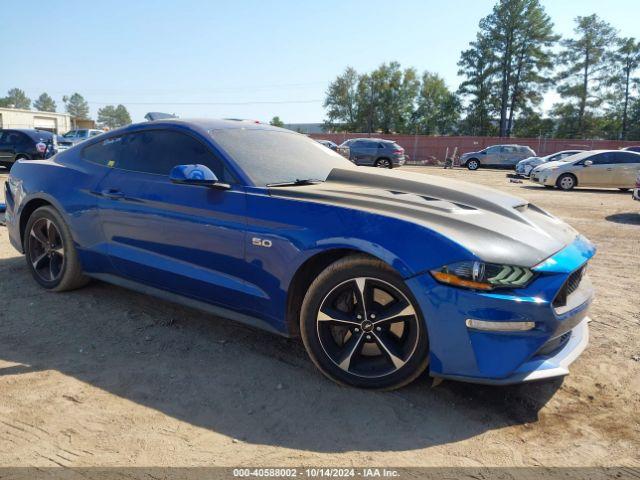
point(33, 134)
point(589, 153)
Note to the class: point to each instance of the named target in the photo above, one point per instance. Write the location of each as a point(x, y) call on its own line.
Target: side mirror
point(196, 175)
point(588, 163)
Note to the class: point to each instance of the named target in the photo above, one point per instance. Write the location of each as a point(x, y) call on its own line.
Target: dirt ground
point(107, 377)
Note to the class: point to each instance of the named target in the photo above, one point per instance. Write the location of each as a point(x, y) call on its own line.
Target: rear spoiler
point(151, 116)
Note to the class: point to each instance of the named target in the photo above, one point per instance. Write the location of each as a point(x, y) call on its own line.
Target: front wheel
point(473, 164)
point(566, 181)
point(362, 327)
point(50, 252)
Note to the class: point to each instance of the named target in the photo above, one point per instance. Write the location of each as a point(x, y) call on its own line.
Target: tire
point(50, 252)
point(473, 164)
point(566, 182)
point(383, 163)
point(359, 351)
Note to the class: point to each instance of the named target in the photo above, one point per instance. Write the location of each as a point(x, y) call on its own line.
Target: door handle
point(112, 194)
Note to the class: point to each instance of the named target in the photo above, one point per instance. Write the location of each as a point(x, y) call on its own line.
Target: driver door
point(186, 239)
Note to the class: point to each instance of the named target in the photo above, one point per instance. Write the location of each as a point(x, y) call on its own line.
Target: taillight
point(399, 151)
point(41, 147)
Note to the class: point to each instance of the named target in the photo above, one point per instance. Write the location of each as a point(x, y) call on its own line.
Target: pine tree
point(45, 103)
point(77, 106)
point(585, 61)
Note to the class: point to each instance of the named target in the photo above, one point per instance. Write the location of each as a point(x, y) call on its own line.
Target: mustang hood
point(494, 226)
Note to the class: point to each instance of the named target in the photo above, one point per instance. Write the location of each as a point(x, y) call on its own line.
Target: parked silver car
point(525, 166)
point(496, 156)
point(596, 168)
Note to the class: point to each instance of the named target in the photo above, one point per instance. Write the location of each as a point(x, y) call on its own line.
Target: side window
point(23, 140)
point(603, 159)
point(627, 157)
point(158, 151)
point(105, 153)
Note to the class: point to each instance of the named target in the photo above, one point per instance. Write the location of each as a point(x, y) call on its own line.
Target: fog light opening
point(490, 326)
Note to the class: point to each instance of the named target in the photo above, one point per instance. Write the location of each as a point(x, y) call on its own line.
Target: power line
point(275, 102)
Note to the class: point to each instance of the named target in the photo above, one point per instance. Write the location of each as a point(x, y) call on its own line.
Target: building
point(51, 121)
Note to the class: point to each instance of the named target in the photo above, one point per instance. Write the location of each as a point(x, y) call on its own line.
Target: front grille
point(554, 344)
point(570, 286)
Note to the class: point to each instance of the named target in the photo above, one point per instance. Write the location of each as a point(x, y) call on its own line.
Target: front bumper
point(541, 367)
point(504, 357)
point(524, 170)
point(544, 177)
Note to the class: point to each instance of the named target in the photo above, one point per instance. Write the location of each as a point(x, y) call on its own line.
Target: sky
point(245, 58)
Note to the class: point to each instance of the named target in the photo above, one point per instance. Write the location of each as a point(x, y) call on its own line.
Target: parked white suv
point(73, 137)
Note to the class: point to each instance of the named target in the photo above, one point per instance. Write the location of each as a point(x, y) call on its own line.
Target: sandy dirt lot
point(106, 377)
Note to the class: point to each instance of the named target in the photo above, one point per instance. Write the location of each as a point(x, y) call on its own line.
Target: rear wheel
point(566, 181)
point(383, 163)
point(362, 327)
point(473, 164)
point(50, 252)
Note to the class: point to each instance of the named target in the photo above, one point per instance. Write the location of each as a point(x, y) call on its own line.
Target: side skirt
point(188, 302)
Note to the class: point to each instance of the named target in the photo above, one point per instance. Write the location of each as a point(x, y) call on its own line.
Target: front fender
point(298, 230)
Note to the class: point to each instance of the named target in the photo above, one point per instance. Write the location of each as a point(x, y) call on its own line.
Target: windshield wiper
point(297, 181)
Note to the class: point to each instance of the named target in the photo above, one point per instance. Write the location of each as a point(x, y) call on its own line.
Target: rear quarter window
point(105, 153)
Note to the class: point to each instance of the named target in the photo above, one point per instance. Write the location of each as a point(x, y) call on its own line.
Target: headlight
point(483, 276)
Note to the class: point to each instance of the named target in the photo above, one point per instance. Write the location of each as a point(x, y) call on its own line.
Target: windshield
point(276, 156)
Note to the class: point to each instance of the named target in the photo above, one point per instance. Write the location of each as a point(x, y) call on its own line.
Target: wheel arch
point(31, 206)
point(306, 274)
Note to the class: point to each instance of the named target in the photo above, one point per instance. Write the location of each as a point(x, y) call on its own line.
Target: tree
point(634, 121)
point(341, 102)
point(475, 66)
point(76, 106)
point(533, 61)
point(16, 98)
point(385, 99)
point(276, 122)
point(626, 60)
point(438, 109)
point(531, 124)
point(585, 61)
point(518, 36)
point(45, 103)
point(114, 117)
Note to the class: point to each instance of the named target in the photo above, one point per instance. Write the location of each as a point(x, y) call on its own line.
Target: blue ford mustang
point(382, 273)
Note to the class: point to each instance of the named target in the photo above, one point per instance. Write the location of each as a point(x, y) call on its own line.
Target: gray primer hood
point(496, 227)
